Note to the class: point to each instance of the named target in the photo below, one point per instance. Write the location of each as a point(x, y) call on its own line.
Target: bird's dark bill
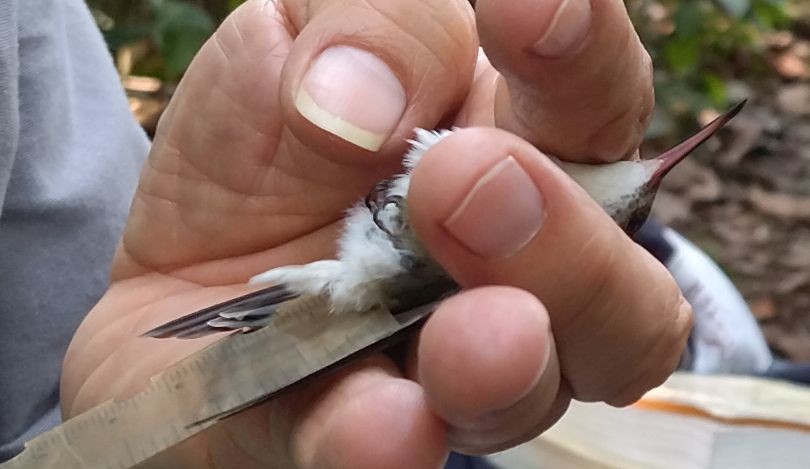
point(672, 157)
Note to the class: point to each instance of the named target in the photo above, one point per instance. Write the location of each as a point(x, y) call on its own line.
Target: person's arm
point(70, 156)
point(9, 94)
point(290, 114)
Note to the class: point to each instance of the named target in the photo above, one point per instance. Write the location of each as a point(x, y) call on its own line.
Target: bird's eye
point(376, 196)
point(388, 215)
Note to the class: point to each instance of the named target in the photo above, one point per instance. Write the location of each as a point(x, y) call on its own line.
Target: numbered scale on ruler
point(240, 371)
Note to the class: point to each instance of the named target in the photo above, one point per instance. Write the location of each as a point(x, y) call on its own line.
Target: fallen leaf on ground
point(790, 66)
point(763, 308)
point(779, 205)
point(695, 182)
point(795, 345)
point(747, 133)
point(795, 99)
point(669, 208)
point(792, 282)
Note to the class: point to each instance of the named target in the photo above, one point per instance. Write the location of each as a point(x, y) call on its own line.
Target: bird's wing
point(250, 311)
point(256, 310)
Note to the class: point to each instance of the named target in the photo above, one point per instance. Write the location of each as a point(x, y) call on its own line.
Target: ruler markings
point(226, 376)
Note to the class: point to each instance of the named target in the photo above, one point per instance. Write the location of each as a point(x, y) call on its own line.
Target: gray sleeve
point(70, 155)
point(9, 102)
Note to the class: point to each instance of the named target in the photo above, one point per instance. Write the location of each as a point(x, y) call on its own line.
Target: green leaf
point(234, 4)
point(180, 30)
point(688, 18)
point(736, 8)
point(715, 89)
point(120, 36)
point(682, 52)
point(771, 13)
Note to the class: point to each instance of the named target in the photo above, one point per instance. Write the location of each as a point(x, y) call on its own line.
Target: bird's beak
point(672, 157)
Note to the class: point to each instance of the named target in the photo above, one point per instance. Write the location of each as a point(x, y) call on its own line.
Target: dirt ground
point(745, 198)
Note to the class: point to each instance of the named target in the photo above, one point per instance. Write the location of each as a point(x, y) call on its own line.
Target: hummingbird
point(382, 263)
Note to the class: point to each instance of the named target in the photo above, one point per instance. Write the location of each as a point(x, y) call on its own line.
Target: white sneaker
point(726, 338)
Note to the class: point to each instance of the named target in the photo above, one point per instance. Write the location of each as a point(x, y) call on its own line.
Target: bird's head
point(627, 189)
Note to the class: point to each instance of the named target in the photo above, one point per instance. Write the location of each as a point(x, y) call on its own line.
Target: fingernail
point(353, 94)
point(501, 214)
point(568, 28)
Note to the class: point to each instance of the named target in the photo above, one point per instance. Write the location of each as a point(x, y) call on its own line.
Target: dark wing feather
point(248, 311)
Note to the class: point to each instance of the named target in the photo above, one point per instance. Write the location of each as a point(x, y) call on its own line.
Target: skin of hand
point(248, 172)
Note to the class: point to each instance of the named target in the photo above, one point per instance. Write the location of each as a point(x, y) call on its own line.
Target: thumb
point(494, 210)
point(362, 75)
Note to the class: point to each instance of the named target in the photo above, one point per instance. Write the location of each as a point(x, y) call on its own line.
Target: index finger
point(576, 80)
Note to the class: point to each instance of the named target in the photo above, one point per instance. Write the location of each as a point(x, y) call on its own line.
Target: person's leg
point(462, 461)
point(726, 337)
point(785, 370)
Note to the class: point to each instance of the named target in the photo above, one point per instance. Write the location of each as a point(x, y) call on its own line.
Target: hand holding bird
point(291, 114)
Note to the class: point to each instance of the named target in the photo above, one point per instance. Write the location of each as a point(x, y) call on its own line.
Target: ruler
point(304, 341)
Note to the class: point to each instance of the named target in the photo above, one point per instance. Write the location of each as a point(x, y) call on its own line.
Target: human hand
point(243, 177)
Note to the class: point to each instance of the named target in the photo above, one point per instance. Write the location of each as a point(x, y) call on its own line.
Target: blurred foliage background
point(698, 46)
